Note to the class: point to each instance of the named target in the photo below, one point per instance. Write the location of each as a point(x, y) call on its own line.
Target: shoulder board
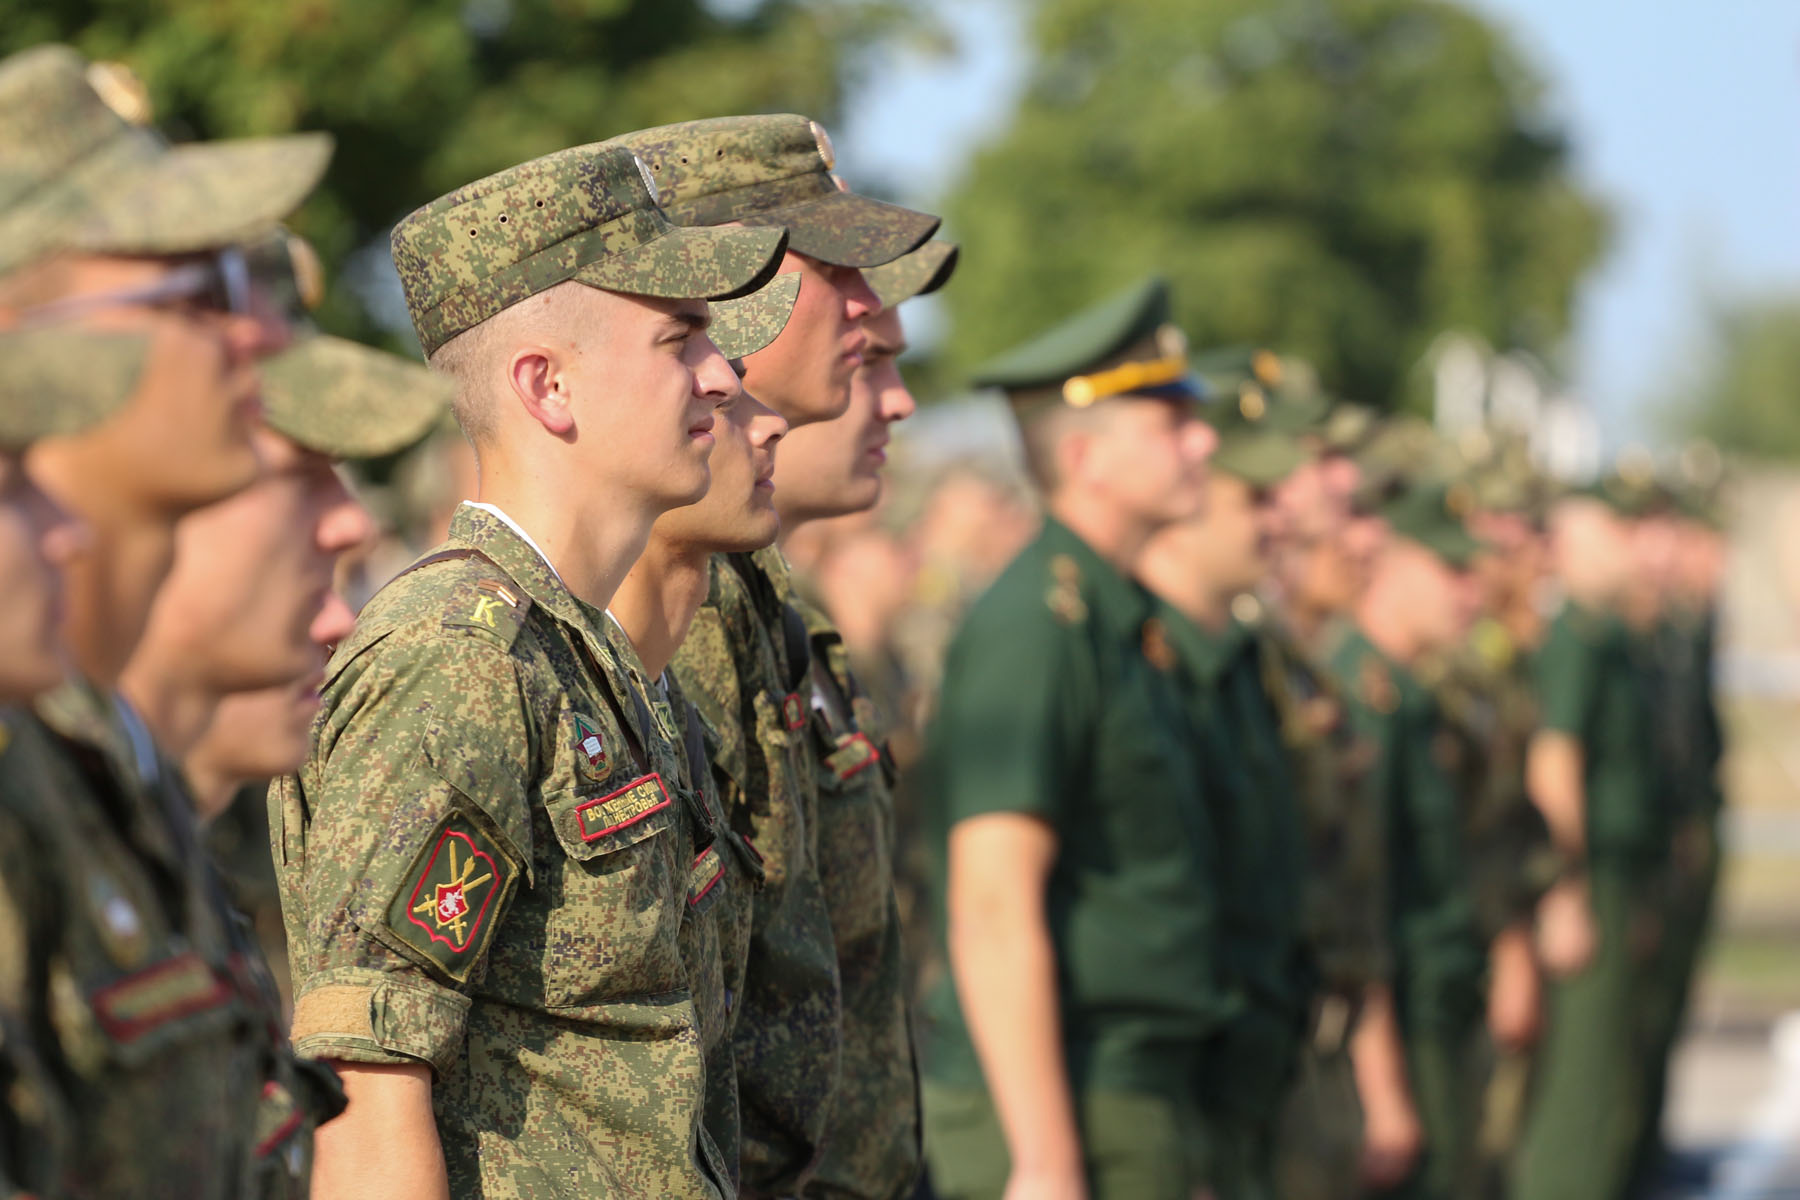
point(1063, 597)
point(487, 606)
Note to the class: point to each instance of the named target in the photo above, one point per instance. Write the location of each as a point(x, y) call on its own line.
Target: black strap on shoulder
point(799, 646)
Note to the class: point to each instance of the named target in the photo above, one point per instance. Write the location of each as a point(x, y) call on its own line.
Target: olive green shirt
point(1438, 955)
point(1257, 816)
point(1594, 686)
point(1051, 709)
point(486, 867)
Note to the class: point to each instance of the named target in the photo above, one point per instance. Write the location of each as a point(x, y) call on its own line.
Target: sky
point(1684, 116)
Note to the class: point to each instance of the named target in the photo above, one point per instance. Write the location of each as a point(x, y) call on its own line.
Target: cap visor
point(919, 273)
point(849, 230)
point(348, 400)
point(692, 263)
point(59, 381)
point(747, 324)
point(206, 194)
point(1261, 460)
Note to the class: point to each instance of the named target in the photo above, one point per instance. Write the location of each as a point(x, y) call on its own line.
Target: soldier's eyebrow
point(879, 347)
point(689, 321)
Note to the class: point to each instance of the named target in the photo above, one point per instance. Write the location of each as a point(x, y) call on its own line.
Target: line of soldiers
point(585, 833)
point(1319, 806)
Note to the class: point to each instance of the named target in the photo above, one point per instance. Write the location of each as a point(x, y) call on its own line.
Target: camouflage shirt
point(722, 884)
point(485, 867)
point(744, 666)
point(130, 976)
point(872, 1145)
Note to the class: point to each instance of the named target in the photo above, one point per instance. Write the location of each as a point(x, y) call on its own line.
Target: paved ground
point(1735, 1114)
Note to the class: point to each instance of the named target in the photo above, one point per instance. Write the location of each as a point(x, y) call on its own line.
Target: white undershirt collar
point(494, 510)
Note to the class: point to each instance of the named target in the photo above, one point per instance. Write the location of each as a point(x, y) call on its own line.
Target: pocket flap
point(589, 826)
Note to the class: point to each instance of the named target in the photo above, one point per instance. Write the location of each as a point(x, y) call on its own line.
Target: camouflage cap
point(76, 175)
point(1124, 345)
point(59, 379)
point(348, 400)
point(1432, 514)
point(1400, 452)
point(918, 273)
point(774, 170)
point(1254, 421)
point(747, 324)
point(587, 214)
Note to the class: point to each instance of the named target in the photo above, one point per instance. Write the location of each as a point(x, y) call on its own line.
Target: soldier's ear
point(538, 380)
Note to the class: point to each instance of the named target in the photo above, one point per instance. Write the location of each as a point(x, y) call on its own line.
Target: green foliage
point(426, 95)
point(1342, 179)
point(1745, 394)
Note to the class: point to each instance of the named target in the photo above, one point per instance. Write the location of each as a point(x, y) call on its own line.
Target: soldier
point(484, 873)
point(745, 660)
point(1420, 601)
point(1205, 570)
point(122, 959)
point(1591, 776)
point(1076, 860)
point(831, 469)
point(249, 605)
point(654, 608)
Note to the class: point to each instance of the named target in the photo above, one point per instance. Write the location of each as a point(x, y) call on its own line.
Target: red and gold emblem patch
point(590, 748)
point(793, 710)
point(451, 899)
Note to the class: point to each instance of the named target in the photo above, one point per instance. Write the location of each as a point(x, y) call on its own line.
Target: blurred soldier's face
point(805, 373)
point(1591, 550)
point(183, 438)
point(249, 603)
point(643, 384)
point(1443, 601)
point(738, 511)
point(1699, 563)
point(255, 735)
point(1234, 534)
point(36, 538)
point(1147, 456)
point(831, 468)
point(1510, 572)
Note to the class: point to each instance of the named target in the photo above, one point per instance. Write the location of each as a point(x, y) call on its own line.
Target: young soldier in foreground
point(829, 469)
point(1076, 855)
point(1204, 569)
point(1419, 601)
point(484, 874)
point(120, 958)
point(745, 659)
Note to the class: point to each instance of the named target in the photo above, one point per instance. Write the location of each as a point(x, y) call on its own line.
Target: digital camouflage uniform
point(1058, 703)
point(1485, 692)
point(485, 868)
point(1582, 1134)
point(133, 979)
point(487, 864)
point(745, 663)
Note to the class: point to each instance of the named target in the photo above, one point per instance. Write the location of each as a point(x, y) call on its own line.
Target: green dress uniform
point(1438, 963)
point(1258, 821)
point(872, 1149)
point(485, 868)
point(744, 665)
point(1051, 709)
point(136, 987)
point(1588, 1104)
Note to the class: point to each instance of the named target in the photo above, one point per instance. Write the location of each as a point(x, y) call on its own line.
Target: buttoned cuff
point(380, 1017)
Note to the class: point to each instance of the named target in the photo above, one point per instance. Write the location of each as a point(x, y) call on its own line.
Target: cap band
point(1083, 390)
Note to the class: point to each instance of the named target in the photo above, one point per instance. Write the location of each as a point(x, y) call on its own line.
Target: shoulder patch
point(450, 899)
point(1064, 594)
point(489, 606)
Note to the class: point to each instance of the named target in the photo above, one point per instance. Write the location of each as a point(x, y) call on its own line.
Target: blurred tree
point(1745, 393)
point(426, 95)
point(1343, 179)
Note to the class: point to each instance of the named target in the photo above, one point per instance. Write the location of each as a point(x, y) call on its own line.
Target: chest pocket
point(612, 907)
